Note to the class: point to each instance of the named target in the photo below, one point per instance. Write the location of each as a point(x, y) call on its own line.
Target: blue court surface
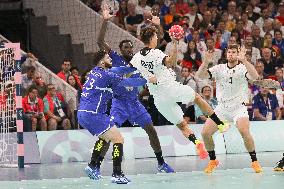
point(233, 173)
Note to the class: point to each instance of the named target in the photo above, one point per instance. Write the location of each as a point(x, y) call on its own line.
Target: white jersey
point(150, 62)
point(231, 83)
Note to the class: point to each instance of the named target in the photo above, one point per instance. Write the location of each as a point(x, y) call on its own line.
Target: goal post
point(11, 112)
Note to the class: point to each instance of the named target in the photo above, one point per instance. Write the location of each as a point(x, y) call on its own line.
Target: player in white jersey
point(232, 93)
point(153, 63)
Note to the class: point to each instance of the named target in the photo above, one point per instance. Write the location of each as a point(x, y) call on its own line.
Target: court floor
point(234, 172)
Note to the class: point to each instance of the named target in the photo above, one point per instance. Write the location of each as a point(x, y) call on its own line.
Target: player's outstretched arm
point(202, 72)
point(171, 60)
point(101, 39)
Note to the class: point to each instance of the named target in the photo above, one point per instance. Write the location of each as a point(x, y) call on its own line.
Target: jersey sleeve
point(116, 59)
point(114, 79)
point(213, 71)
point(136, 62)
point(160, 56)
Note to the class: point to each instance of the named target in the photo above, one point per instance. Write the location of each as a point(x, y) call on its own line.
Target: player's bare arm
point(250, 68)
point(202, 72)
point(101, 39)
point(171, 60)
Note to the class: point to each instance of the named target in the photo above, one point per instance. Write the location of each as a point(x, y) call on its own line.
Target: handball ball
point(176, 31)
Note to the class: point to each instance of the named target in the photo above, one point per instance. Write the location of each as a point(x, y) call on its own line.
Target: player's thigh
point(183, 93)
point(242, 119)
point(209, 128)
point(170, 110)
point(96, 124)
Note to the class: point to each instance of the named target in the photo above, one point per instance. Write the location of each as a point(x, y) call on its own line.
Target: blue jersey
point(119, 92)
point(97, 90)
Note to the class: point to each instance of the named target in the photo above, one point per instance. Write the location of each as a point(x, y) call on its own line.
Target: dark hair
point(147, 33)
point(66, 60)
point(77, 87)
point(98, 56)
point(31, 68)
point(74, 68)
point(202, 89)
point(276, 30)
point(124, 41)
point(233, 46)
point(31, 88)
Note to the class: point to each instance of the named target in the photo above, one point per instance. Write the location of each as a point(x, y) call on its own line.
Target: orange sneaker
point(200, 148)
point(256, 166)
point(211, 166)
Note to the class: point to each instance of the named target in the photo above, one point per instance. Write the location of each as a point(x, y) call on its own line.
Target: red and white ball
point(177, 32)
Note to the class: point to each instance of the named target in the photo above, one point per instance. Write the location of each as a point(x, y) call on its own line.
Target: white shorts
point(166, 98)
point(232, 112)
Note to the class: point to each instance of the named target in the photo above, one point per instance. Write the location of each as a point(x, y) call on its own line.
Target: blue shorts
point(96, 124)
point(131, 110)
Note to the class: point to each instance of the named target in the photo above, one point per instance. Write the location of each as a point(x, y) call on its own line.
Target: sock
point(212, 155)
point(160, 158)
point(97, 151)
point(283, 157)
point(215, 118)
point(253, 156)
point(117, 155)
point(99, 161)
point(192, 138)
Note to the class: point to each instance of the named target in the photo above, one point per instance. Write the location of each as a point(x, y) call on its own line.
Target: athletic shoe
point(223, 127)
point(279, 166)
point(200, 148)
point(212, 165)
point(256, 166)
point(165, 168)
point(119, 179)
point(93, 172)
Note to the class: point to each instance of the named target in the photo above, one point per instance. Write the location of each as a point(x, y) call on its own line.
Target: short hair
point(98, 56)
point(202, 89)
point(66, 60)
point(31, 88)
point(147, 33)
point(124, 41)
point(277, 30)
point(74, 68)
point(233, 46)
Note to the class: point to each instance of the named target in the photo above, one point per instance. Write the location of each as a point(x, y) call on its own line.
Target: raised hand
point(242, 54)
point(155, 20)
point(106, 12)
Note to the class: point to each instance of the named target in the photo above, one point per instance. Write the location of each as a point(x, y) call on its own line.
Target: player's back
point(152, 62)
point(97, 90)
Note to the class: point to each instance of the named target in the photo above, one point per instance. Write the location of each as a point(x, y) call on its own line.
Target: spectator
point(280, 92)
point(169, 17)
point(280, 17)
point(147, 16)
point(27, 79)
point(192, 58)
point(30, 61)
point(254, 51)
point(278, 41)
point(65, 69)
point(267, 28)
point(247, 23)
point(270, 64)
point(250, 11)
point(71, 80)
point(53, 110)
point(142, 7)
point(264, 16)
point(265, 106)
point(95, 5)
point(207, 94)
point(257, 41)
point(39, 84)
point(33, 110)
point(121, 14)
point(182, 7)
point(75, 71)
point(132, 19)
point(267, 43)
point(194, 18)
point(216, 53)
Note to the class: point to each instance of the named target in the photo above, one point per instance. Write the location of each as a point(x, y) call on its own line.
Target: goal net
point(11, 127)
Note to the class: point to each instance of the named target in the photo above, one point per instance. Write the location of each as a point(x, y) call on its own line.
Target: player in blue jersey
point(125, 104)
point(92, 115)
